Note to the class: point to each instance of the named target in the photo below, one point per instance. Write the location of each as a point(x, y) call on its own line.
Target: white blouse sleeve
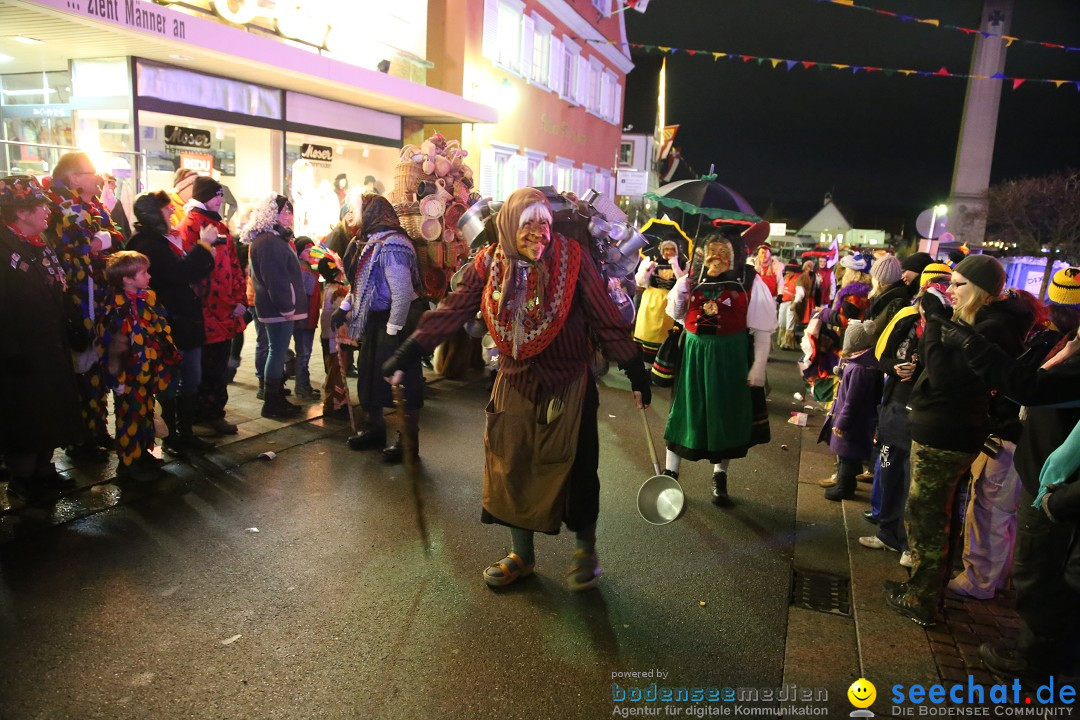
point(761, 312)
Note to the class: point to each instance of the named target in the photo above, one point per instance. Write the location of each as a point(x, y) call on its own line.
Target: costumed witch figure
point(381, 309)
point(718, 411)
point(542, 298)
point(657, 274)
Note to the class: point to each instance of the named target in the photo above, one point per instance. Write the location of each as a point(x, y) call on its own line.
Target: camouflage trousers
point(935, 476)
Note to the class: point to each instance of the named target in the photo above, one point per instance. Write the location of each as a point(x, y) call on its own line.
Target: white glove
point(208, 234)
point(762, 341)
point(104, 238)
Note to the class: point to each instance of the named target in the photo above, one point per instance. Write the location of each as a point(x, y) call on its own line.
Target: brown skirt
point(529, 455)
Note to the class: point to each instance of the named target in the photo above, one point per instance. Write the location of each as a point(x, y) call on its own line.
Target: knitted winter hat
point(1065, 287)
point(205, 189)
point(302, 243)
point(916, 262)
point(886, 270)
point(933, 270)
point(984, 272)
point(858, 336)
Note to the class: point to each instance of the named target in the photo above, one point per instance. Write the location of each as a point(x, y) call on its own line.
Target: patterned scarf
point(523, 325)
point(151, 352)
point(46, 258)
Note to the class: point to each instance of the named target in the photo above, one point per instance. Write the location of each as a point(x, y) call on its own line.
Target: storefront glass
point(322, 173)
point(247, 160)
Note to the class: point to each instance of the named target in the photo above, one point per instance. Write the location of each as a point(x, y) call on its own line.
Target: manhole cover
point(822, 592)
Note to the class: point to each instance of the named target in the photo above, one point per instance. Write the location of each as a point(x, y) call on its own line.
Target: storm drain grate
point(821, 592)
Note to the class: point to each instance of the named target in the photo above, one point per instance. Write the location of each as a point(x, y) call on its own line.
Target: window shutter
point(521, 173)
point(605, 96)
point(487, 173)
point(617, 108)
point(490, 48)
point(528, 37)
point(578, 182)
point(581, 91)
point(555, 66)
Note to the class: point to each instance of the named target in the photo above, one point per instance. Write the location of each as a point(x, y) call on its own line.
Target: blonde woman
point(949, 421)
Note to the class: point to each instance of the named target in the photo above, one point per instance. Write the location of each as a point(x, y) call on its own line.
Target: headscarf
point(507, 223)
point(377, 215)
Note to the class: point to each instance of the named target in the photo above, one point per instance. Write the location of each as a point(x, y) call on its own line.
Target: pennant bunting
point(1008, 39)
point(790, 64)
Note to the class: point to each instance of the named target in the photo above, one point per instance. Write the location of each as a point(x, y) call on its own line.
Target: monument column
point(975, 150)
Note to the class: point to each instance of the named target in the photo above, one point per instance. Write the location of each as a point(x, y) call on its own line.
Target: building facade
point(268, 96)
point(555, 71)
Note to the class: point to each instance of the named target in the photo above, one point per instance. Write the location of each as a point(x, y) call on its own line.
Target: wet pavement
point(304, 587)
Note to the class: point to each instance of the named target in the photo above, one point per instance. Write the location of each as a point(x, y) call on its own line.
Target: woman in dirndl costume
point(718, 411)
point(542, 298)
point(657, 276)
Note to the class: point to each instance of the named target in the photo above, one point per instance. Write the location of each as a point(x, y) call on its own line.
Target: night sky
point(883, 146)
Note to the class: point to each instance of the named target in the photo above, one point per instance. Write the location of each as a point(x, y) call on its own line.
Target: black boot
point(395, 453)
point(844, 489)
point(260, 394)
point(275, 405)
point(368, 439)
point(719, 489)
point(171, 442)
point(186, 439)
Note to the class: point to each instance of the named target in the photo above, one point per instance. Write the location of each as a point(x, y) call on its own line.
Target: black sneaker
point(898, 602)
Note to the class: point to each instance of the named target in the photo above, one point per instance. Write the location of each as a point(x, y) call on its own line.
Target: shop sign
point(187, 137)
point(317, 153)
point(201, 163)
point(631, 183)
point(38, 111)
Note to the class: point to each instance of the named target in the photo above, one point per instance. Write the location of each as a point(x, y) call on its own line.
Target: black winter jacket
point(171, 277)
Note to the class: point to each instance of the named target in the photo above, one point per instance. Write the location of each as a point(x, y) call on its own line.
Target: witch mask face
point(717, 258)
point(534, 233)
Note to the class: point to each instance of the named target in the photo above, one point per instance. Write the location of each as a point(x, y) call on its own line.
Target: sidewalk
point(875, 642)
point(96, 486)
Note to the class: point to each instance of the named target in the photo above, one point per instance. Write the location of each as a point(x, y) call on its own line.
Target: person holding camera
point(223, 295)
point(949, 420)
point(176, 271)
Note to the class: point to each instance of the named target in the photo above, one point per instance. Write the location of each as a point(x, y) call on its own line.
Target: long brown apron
point(529, 451)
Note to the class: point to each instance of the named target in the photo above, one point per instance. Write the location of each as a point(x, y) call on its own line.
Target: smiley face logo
point(862, 693)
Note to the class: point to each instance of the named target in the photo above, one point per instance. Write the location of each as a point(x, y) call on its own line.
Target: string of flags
point(1008, 39)
point(789, 64)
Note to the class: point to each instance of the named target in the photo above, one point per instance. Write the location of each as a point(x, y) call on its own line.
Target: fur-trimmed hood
point(262, 219)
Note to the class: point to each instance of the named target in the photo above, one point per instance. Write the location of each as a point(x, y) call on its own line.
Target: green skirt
point(712, 412)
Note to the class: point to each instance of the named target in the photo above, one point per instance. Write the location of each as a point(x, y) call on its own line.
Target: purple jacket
point(855, 409)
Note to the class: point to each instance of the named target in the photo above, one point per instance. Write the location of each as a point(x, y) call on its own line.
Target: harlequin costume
point(73, 224)
point(541, 439)
point(143, 370)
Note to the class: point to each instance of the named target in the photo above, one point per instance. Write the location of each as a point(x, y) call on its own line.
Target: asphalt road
point(174, 606)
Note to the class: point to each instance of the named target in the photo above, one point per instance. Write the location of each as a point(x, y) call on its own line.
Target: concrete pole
point(975, 151)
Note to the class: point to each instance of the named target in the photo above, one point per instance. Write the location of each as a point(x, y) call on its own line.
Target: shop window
point(323, 174)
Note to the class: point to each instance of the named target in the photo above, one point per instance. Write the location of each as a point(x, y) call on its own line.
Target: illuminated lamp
point(505, 96)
